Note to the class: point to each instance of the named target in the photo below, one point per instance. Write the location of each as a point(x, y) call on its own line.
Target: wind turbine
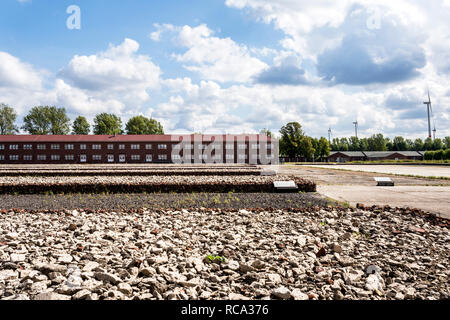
point(329, 135)
point(356, 128)
point(429, 111)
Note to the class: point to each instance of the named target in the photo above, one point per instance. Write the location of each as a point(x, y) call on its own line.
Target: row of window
point(228, 146)
point(110, 158)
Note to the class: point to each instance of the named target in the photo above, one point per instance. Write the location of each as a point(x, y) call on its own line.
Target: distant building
point(74, 149)
point(346, 156)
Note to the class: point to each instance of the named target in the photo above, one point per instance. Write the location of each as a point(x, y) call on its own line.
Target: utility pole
point(356, 128)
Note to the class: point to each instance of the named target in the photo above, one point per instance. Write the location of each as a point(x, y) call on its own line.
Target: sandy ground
point(424, 171)
point(354, 187)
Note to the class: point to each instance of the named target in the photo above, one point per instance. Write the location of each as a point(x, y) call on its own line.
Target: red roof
point(125, 138)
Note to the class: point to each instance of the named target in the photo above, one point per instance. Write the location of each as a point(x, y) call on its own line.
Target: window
point(229, 146)
point(69, 157)
point(135, 147)
point(135, 157)
point(2, 147)
point(204, 156)
point(148, 158)
point(27, 147)
point(162, 157)
point(230, 157)
point(242, 146)
point(96, 147)
point(121, 147)
point(243, 156)
point(177, 147)
point(83, 158)
point(97, 157)
point(82, 147)
point(13, 147)
point(202, 146)
point(217, 146)
point(148, 146)
point(255, 146)
point(69, 146)
point(55, 157)
point(269, 146)
point(162, 146)
point(41, 147)
point(110, 158)
point(14, 157)
point(110, 146)
point(2, 157)
point(217, 157)
point(42, 157)
point(54, 146)
point(176, 157)
point(255, 156)
point(188, 147)
point(27, 157)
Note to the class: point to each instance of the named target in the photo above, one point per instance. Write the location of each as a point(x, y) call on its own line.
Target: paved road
point(425, 171)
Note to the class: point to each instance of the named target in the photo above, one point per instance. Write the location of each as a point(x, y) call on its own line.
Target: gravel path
point(161, 254)
point(163, 201)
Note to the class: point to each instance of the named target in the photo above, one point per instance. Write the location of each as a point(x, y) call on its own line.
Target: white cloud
point(17, 74)
point(218, 59)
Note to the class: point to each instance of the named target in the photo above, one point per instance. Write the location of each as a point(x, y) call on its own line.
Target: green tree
point(437, 144)
point(447, 142)
point(306, 147)
point(7, 120)
point(43, 120)
point(428, 144)
point(81, 126)
point(291, 138)
point(323, 148)
point(354, 144)
point(377, 143)
point(107, 124)
point(399, 144)
point(418, 144)
point(143, 125)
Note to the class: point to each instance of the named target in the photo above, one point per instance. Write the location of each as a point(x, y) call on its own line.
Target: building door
point(110, 158)
point(122, 158)
point(148, 158)
point(83, 158)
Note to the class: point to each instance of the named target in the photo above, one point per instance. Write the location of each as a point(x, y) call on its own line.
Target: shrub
point(447, 154)
point(428, 155)
point(438, 155)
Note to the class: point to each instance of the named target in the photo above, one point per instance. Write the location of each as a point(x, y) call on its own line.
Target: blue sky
point(233, 65)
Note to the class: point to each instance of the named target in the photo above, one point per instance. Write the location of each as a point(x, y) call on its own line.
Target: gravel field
point(269, 254)
point(424, 171)
point(134, 184)
point(163, 201)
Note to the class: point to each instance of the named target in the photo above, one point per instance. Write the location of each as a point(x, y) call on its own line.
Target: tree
point(81, 126)
point(291, 137)
point(306, 147)
point(447, 142)
point(43, 120)
point(107, 124)
point(428, 144)
point(418, 144)
point(266, 132)
point(323, 148)
point(7, 120)
point(437, 144)
point(377, 143)
point(399, 144)
point(143, 125)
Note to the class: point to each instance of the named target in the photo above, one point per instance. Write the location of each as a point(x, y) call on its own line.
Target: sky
point(233, 66)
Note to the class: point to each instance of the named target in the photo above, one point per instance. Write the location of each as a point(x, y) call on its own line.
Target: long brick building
point(78, 149)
